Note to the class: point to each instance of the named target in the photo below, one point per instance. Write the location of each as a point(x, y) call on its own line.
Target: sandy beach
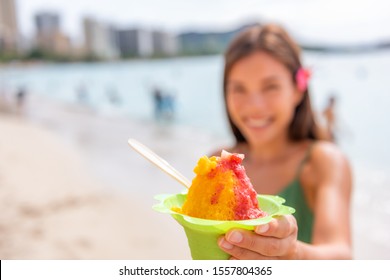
point(71, 188)
point(52, 208)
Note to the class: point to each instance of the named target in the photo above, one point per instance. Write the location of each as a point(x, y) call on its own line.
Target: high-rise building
point(100, 39)
point(9, 33)
point(47, 23)
point(49, 36)
point(135, 42)
point(164, 43)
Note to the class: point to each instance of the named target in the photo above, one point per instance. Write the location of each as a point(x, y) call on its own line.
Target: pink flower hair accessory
point(302, 78)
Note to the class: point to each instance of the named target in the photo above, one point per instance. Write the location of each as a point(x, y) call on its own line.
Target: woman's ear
point(298, 96)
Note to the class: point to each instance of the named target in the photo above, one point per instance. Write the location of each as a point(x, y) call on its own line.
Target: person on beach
point(82, 93)
point(268, 105)
point(158, 102)
point(330, 118)
point(112, 95)
point(164, 104)
point(20, 97)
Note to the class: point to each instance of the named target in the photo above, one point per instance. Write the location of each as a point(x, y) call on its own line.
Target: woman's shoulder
point(326, 155)
point(326, 150)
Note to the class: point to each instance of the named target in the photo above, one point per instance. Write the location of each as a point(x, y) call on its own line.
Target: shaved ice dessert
point(220, 198)
point(221, 190)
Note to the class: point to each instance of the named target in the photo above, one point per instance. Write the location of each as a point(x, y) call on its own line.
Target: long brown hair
point(275, 41)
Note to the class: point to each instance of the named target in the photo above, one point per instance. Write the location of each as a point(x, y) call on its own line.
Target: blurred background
point(77, 79)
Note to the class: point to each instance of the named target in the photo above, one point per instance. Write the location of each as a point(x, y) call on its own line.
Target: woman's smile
point(257, 122)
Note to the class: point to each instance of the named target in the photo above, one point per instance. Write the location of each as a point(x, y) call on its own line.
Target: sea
point(359, 81)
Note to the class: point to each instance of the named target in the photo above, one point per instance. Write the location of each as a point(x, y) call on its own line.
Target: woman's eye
point(271, 88)
point(239, 90)
point(236, 89)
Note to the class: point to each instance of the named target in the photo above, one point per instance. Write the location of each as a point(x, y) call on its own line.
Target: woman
point(269, 110)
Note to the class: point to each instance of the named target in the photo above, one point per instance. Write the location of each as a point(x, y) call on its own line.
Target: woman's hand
point(275, 240)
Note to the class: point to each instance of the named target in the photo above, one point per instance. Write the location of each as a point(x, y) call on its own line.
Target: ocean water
point(359, 81)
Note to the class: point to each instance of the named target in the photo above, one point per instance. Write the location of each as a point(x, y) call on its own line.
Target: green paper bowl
point(203, 234)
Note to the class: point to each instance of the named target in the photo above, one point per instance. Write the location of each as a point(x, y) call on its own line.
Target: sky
point(319, 21)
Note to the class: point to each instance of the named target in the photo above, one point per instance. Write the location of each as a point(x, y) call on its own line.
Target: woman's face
point(261, 98)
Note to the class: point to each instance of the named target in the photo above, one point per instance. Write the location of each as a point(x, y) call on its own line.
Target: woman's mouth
point(258, 123)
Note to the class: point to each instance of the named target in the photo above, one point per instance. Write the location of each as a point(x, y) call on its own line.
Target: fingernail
point(235, 237)
point(262, 228)
point(223, 243)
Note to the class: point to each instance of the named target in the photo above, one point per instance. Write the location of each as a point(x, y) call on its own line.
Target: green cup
point(203, 234)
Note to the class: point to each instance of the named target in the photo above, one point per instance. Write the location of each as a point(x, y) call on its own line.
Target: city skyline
point(321, 21)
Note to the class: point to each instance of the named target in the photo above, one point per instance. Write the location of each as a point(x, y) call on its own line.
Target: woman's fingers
point(240, 253)
point(274, 240)
point(236, 240)
point(280, 227)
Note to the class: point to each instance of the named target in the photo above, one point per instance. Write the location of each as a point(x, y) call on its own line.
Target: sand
point(71, 188)
point(51, 208)
point(54, 206)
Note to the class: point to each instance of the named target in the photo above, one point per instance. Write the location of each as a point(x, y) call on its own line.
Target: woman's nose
point(256, 99)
